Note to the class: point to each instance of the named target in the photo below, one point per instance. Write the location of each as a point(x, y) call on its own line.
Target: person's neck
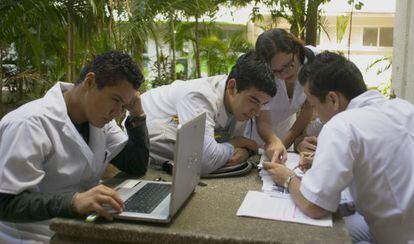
point(226, 102)
point(74, 106)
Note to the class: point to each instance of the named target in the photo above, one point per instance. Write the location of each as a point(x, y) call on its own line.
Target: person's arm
point(133, 159)
point(275, 150)
point(240, 155)
point(35, 206)
point(307, 144)
point(299, 126)
point(280, 173)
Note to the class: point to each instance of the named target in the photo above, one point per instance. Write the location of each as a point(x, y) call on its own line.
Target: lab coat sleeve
point(332, 168)
point(215, 154)
point(24, 147)
point(30, 206)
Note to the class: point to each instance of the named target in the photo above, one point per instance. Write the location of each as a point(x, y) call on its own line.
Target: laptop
point(157, 201)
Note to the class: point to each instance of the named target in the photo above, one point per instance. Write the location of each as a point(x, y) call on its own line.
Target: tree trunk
point(112, 38)
point(350, 29)
point(157, 50)
point(71, 50)
point(197, 48)
point(312, 22)
point(172, 46)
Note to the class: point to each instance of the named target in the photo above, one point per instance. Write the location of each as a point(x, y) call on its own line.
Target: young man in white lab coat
point(226, 99)
point(366, 144)
point(54, 150)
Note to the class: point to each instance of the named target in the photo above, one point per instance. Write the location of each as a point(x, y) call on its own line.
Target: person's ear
point(89, 81)
point(231, 86)
point(333, 98)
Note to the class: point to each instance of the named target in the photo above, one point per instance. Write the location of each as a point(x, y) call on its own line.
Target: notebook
point(157, 201)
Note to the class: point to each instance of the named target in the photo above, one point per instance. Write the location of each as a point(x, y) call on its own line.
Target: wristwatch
point(137, 120)
point(288, 180)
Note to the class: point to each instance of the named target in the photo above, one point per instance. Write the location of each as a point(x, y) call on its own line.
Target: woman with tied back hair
point(285, 54)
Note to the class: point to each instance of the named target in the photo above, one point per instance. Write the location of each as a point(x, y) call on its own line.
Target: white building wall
point(403, 61)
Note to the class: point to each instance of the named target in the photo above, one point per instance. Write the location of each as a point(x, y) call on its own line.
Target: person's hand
point(240, 155)
point(240, 141)
point(92, 200)
point(308, 144)
point(305, 161)
point(135, 107)
point(279, 172)
point(276, 152)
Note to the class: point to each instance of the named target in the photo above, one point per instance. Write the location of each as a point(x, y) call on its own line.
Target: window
point(386, 37)
point(370, 37)
point(378, 37)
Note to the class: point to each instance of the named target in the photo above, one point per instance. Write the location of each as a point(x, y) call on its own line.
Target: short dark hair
point(276, 40)
point(252, 71)
point(111, 68)
point(332, 72)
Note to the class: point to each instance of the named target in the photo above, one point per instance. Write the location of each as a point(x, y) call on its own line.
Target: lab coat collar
point(56, 110)
point(364, 99)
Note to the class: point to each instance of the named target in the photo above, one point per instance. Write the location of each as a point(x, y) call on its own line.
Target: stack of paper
point(275, 201)
point(268, 206)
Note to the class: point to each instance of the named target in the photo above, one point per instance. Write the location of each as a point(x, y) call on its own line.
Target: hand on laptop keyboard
point(98, 199)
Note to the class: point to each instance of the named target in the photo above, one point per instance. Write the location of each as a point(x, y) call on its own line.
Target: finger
point(267, 165)
point(106, 191)
point(284, 157)
point(311, 147)
point(113, 203)
point(313, 139)
point(102, 212)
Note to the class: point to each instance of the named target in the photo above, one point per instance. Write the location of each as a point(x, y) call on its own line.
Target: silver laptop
point(157, 201)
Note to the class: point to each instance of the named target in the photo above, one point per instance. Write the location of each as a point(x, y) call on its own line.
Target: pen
point(91, 217)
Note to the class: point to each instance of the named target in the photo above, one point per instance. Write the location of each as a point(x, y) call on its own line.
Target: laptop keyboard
point(147, 198)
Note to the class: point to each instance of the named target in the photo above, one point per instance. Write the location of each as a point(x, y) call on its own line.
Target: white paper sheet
point(277, 207)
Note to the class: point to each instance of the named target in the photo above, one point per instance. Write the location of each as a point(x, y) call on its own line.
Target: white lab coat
point(368, 148)
point(41, 151)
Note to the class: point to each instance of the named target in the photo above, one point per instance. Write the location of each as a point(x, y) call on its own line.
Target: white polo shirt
point(370, 148)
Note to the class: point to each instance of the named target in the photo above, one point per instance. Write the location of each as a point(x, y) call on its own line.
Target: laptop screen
point(187, 160)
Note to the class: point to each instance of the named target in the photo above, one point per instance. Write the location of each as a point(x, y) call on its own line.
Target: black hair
point(252, 71)
point(332, 72)
point(274, 41)
point(111, 68)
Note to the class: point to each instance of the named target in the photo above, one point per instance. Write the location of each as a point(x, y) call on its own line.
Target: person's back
point(161, 102)
point(379, 134)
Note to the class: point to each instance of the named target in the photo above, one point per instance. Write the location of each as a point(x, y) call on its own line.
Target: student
point(366, 144)
point(355, 223)
point(55, 149)
point(285, 54)
point(226, 99)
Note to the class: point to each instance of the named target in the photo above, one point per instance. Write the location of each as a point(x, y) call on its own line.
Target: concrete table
point(208, 217)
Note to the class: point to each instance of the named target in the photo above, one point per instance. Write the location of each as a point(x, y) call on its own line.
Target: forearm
point(215, 155)
point(306, 206)
point(35, 206)
point(133, 159)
